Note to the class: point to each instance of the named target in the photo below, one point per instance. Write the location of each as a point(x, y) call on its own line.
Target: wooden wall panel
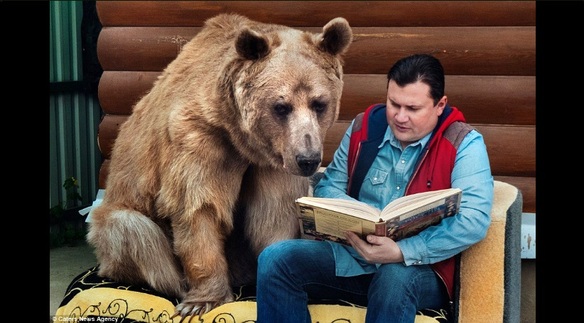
point(511, 149)
point(104, 172)
point(317, 13)
point(108, 131)
point(483, 99)
point(527, 187)
point(141, 48)
point(118, 91)
point(462, 50)
point(487, 49)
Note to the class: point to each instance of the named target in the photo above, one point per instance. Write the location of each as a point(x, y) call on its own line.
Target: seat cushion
point(104, 300)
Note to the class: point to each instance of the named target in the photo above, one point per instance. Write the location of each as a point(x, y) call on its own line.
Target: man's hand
point(378, 250)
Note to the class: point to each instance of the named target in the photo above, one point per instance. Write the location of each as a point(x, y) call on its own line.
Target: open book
point(329, 218)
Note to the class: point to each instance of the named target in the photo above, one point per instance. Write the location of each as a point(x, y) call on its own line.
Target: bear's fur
point(205, 171)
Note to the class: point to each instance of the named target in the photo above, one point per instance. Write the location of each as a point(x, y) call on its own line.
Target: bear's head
point(287, 87)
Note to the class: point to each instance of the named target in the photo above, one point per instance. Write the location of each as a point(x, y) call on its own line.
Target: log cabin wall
point(487, 49)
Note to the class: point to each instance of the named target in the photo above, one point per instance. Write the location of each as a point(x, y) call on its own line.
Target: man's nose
point(401, 115)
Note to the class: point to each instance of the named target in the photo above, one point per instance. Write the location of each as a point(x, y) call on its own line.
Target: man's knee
point(276, 255)
point(394, 275)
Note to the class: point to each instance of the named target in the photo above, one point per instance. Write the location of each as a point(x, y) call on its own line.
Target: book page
point(355, 208)
point(330, 225)
point(407, 200)
point(333, 223)
point(414, 201)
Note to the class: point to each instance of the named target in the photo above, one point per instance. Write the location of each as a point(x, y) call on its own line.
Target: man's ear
point(441, 105)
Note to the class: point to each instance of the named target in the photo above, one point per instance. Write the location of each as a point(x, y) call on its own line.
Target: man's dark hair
point(419, 67)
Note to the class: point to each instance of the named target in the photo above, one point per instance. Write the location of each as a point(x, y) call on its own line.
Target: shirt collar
point(389, 137)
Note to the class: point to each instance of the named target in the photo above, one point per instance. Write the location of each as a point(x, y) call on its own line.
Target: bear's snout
point(308, 164)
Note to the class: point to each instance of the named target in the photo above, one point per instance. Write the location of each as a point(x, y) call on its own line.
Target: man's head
point(415, 97)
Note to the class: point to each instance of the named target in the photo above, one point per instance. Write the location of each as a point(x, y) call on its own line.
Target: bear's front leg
point(199, 243)
point(271, 213)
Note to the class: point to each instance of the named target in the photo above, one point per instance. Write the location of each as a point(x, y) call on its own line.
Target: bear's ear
point(336, 36)
point(252, 45)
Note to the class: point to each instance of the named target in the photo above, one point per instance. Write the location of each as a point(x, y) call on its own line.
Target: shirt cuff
point(414, 250)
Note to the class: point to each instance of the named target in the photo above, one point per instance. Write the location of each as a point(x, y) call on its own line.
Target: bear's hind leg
point(131, 248)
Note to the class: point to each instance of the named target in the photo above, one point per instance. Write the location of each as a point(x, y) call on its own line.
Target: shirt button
point(397, 188)
point(403, 161)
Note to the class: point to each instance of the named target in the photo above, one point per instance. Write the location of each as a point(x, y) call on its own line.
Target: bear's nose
point(308, 164)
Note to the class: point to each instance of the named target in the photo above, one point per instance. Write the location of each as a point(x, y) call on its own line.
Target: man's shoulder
point(372, 111)
point(457, 131)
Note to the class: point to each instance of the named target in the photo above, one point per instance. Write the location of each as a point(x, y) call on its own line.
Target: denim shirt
point(387, 179)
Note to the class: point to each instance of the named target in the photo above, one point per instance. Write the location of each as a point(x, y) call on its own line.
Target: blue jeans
point(291, 272)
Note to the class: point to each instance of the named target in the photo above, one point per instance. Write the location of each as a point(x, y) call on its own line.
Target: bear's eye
point(282, 109)
point(319, 106)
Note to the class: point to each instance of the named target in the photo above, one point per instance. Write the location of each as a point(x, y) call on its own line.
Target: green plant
point(66, 225)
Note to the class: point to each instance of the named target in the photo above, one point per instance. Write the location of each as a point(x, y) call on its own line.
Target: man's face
point(411, 112)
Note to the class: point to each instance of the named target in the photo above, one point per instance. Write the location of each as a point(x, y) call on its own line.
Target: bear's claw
point(194, 309)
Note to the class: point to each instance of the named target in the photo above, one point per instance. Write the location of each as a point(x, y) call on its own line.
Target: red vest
point(433, 168)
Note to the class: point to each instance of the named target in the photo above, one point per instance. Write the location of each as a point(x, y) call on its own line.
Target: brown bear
point(205, 171)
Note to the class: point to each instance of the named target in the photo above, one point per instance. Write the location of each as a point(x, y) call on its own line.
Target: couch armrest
point(489, 288)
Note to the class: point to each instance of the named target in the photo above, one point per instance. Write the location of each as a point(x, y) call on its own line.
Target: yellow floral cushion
point(91, 298)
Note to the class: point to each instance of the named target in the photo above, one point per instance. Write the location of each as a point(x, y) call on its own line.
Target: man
point(417, 142)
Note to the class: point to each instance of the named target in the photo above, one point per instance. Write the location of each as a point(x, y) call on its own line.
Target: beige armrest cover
point(483, 267)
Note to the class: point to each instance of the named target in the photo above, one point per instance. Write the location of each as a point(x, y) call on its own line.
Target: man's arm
point(472, 174)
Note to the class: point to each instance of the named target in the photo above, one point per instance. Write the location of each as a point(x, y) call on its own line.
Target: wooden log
point(511, 149)
point(294, 13)
point(108, 130)
point(483, 99)
point(462, 50)
point(119, 91)
point(141, 48)
point(103, 173)
point(527, 187)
